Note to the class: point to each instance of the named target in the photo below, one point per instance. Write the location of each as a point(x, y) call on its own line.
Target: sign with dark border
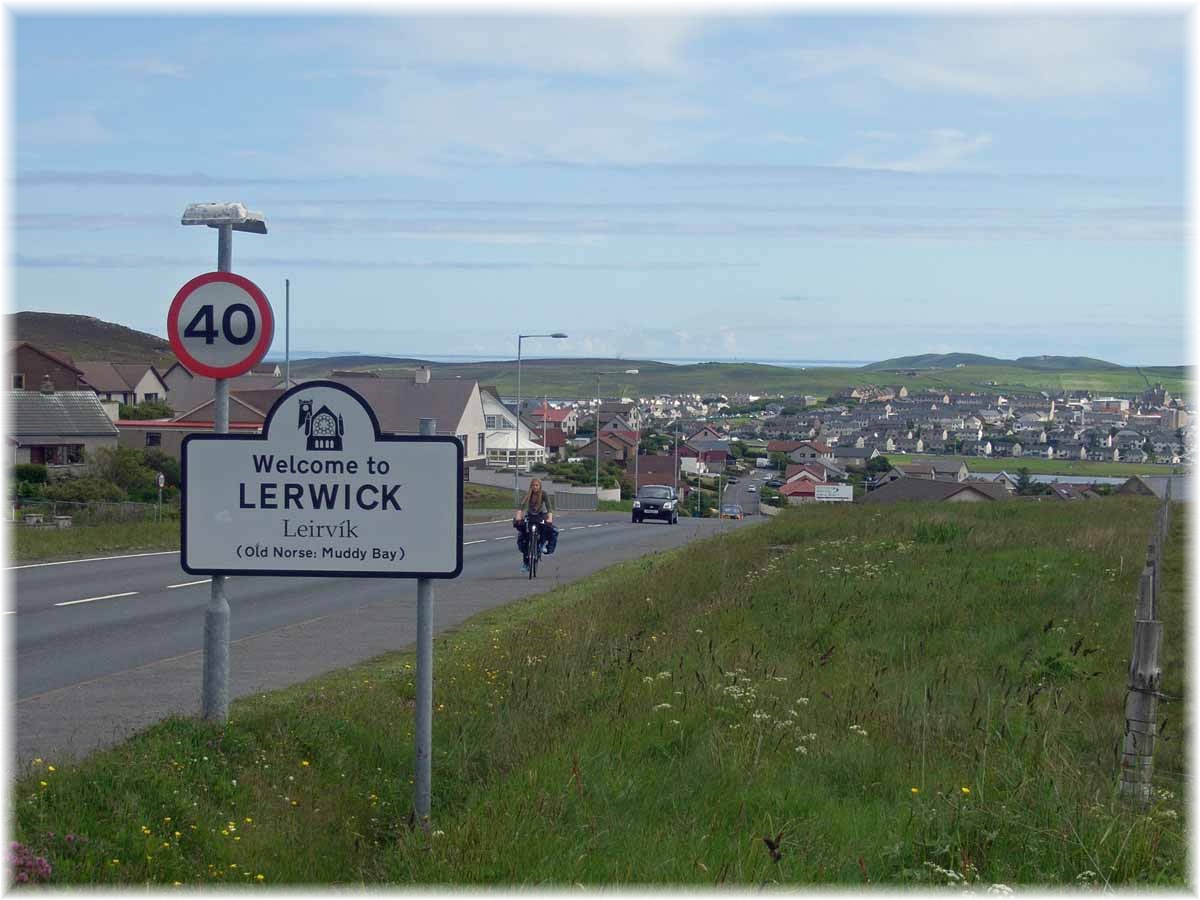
point(322, 492)
point(220, 325)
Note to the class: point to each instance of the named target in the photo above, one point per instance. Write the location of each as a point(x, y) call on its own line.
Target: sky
point(786, 185)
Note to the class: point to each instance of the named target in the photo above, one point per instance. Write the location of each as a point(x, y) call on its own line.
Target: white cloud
point(778, 138)
point(945, 148)
point(1012, 58)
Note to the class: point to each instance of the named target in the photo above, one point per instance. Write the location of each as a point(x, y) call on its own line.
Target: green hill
point(953, 360)
point(89, 338)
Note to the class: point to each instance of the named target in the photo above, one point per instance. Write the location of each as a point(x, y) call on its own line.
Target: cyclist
point(538, 508)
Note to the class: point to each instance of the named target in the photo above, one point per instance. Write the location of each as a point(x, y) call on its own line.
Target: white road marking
point(576, 527)
point(481, 541)
point(66, 562)
point(597, 525)
point(508, 537)
point(90, 599)
point(189, 583)
point(10, 612)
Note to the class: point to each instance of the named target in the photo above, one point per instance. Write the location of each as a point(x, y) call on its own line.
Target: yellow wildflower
point(304, 762)
point(916, 790)
point(966, 790)
point(258, 877)
point(51, 769)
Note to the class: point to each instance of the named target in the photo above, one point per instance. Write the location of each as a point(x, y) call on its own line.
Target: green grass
point(486, 496)
point(1040, 466)
point(896, 694)
point(29, 544)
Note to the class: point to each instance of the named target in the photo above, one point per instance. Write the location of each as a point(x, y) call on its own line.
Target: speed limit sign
point(220, 325)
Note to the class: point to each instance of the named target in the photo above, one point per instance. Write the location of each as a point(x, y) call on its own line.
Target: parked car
point(752, 489)
point(656, 501)
point(731, 480)
point(732, 511)
point(774, 483)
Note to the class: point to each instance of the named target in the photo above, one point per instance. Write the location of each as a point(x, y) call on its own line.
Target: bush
point(34, 473)
point(147, 409)
point(83, 490)
point(161, 462)
point(125, 468)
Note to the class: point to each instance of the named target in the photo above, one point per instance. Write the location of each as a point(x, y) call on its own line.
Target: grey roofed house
point(197, 389)
point(906, 489)
point(400, 404)
point(74, 413)
point(120, 378)
point(57, 428)
point(851, 452)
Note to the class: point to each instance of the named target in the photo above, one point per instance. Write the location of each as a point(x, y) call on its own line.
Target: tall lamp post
point(517, 452)
point(597, 437)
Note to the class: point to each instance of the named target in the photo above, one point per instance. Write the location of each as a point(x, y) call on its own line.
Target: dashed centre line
point(189, 583)
point(90, 599)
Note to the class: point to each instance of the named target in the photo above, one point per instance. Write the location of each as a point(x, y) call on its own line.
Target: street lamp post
point(517, 451)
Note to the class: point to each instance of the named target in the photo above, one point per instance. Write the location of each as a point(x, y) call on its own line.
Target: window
point(18, 381)
point(57, 454)
point(149, 398)
point(462, 439)
point(497, 422)
point(479, 444)
point(153, 438)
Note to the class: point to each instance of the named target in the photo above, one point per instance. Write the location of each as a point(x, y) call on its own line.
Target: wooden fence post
point(1141, 713)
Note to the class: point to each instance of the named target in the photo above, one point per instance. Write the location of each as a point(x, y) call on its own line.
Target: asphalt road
point(105, 647)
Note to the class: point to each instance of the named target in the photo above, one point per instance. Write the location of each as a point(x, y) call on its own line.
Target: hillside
point(89, 338)
point(951, 360)
point(576, 378)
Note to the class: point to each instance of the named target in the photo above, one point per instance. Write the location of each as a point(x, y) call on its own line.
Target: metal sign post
point(423, 726)
point(160, 480)
point(220, 325)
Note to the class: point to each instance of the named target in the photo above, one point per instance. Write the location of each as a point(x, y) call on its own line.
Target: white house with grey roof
point(58, 429)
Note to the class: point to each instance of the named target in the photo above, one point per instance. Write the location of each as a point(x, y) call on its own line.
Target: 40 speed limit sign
point(220, 325)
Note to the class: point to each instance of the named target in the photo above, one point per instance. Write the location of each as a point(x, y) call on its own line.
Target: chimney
point(421, 375)
point(47, 385)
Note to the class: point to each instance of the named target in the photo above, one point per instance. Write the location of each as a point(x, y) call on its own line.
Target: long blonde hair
point(529, 494)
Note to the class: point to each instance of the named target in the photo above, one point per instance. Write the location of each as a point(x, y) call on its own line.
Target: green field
point(908, 696)
point(575, 378)
point(1042, 466)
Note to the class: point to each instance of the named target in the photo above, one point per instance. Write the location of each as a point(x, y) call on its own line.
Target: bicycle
point(533, 545)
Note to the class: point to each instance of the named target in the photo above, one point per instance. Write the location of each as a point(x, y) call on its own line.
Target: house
point(800, 491)
point(30, 366)
point(187, 391)
point(706, 433)
point(1063, 491)
point(58, 429)
point(556, 443)
point(659, 468)
point(129, 383)
point(812, 450)
point(247, 412)
point(950, 468)
point(399, 403)
point(611, 449)
point(937, 491)
point(805, 471)
point(629, 412)
point(913, 470)
point(500, 441)
point(566, 420)
point(854, 457)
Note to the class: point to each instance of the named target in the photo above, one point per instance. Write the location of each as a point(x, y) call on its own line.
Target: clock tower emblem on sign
point(323, 428)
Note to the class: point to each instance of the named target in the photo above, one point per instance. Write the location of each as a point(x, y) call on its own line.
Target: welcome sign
point(322, 492)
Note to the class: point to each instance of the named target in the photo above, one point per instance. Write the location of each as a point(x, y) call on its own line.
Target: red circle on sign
point(257, 352)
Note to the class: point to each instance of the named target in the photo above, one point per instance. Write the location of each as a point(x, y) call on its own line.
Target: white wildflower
point(663, 706)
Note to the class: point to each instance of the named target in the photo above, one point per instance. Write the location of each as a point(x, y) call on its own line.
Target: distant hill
point(89, 338)
point(950, 360)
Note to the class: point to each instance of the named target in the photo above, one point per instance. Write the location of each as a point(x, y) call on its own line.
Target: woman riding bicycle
point(538, 509)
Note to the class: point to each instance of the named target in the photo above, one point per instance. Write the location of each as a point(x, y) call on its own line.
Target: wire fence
point(53, 513)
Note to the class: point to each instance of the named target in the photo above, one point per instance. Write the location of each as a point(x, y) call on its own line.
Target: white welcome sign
point(322, 492)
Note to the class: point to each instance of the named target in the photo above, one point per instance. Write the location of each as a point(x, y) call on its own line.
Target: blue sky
point(792, 185)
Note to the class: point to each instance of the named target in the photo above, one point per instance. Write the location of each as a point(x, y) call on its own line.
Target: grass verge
point(911, 696)
point(32, 544)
